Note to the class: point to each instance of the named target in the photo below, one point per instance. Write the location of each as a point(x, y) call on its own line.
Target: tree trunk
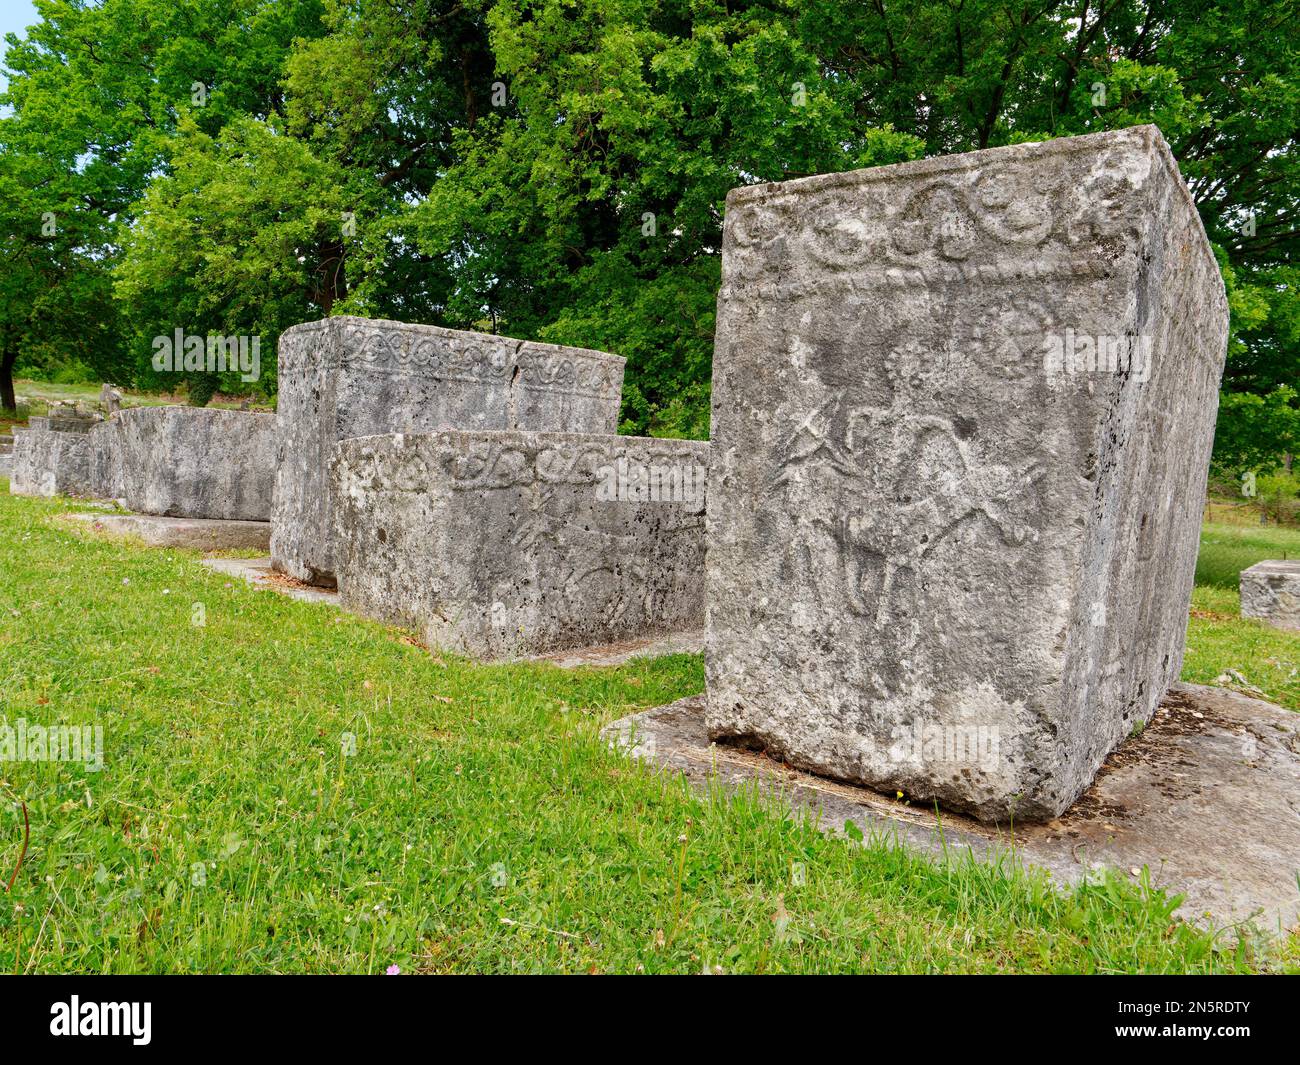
point(7, 399)
point(331, 282)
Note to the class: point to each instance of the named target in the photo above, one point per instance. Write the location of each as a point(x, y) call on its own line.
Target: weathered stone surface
point(926, 515)
point(105, 460)
point(110, 399)
point(1205, 798)
point(46, 462)
point(350, 377)
point(68, 418)
point(504, 544)
point(197, 534)
point(1270, 591)
point(191, 462)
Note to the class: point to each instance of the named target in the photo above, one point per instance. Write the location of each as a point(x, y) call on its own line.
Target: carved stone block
point(49, 462)
point(504, 544)
point(962, 417)
point(105, 459)
point(350, 377)
point(189, 462)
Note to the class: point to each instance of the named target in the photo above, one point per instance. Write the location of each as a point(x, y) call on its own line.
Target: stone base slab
point(199, 534)
point(1207, 797)
point(617, 654)
point(258, 572)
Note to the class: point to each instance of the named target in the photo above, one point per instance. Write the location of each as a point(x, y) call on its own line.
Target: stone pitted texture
point(923, 534)
point(504, 544)
point(1270, 591)
point(190, 462)
point(105, 459)
point(350, 377)
point(46, 462)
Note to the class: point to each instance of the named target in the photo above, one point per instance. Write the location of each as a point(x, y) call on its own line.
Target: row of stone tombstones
point(926, 520)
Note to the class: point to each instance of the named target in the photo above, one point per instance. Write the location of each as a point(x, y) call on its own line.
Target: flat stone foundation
point(198, 534)
point(1207, 797)
point(259, 573)
point(617, 654)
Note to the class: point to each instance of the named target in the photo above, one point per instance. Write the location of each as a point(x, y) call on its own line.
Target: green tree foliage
point(557, 169)
point(1255, 431)
point(55, 285)
point(102, 97)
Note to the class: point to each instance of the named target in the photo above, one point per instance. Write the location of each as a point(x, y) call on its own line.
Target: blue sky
point(15, 17)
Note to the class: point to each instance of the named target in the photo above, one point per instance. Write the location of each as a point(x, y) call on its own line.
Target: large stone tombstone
point(504, 544)
point(188, 462)
point(962, 417)
point(349, 377)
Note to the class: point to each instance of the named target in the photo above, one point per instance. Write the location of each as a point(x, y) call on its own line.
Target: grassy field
point(1218, 639)
point(289, 789)
point(36, 397)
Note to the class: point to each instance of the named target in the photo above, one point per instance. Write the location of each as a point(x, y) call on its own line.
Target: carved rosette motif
point(996, 223)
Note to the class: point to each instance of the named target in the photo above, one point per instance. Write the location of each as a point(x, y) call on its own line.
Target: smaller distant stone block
point(190, 462)
point(50, 463)
point(506, 544)
point(1270, 591)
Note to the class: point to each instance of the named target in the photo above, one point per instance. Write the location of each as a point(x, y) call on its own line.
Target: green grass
point(480, 825)
point(1226, 550)
point(1219, 639)
point(36, 397)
